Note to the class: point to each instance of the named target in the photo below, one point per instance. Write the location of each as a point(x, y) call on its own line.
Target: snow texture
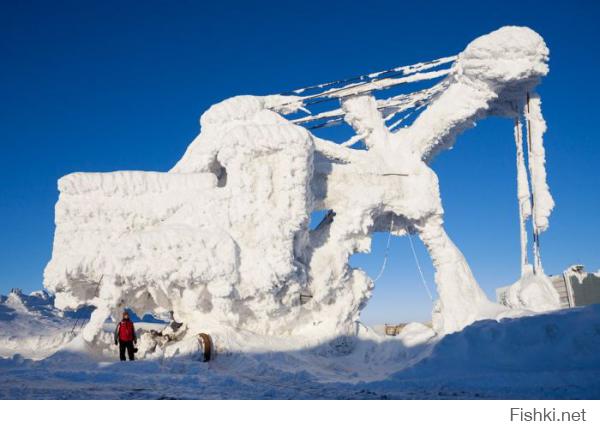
point(222, 239)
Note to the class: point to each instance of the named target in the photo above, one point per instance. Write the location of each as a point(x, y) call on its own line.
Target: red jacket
point(125, 331)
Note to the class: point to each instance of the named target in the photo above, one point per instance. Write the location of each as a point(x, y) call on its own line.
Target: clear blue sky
point(101, 86)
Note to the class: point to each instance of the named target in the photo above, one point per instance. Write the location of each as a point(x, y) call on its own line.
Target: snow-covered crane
point(223, 238)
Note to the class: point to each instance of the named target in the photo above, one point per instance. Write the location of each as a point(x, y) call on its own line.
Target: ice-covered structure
point(223, 238)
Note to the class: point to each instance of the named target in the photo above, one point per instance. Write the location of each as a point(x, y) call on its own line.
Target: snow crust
point(222, 239)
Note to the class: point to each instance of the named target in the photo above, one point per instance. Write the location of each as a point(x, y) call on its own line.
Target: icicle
point(523, 194)
point(536, 156)
point(542, 199)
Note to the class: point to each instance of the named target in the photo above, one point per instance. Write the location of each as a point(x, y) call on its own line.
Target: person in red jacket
point(125, 337)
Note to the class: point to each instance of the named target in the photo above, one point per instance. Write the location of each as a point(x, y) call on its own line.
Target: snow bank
point(560, 341)
point(223, 241)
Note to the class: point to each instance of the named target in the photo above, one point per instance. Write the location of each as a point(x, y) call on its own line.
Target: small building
point(393, 329)
point(575, 287)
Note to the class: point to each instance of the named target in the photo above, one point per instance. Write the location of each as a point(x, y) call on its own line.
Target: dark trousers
point(126, 345)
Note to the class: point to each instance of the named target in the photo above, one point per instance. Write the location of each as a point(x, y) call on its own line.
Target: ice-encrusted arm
point(362, 113)
point(334, 151)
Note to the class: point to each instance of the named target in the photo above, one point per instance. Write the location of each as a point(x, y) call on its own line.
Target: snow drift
point(222, 239)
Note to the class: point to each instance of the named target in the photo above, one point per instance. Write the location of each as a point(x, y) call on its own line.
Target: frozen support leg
point(460, 298)
point(108, 300)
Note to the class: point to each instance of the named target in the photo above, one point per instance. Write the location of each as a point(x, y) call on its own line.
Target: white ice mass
point(223, 238)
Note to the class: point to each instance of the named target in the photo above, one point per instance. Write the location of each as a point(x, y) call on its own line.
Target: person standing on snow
point(125, 337)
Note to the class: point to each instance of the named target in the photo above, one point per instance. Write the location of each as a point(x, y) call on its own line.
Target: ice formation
point(533, 291)
point(223, 238)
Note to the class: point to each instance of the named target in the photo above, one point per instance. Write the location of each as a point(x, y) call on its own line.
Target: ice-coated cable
point(412, 247)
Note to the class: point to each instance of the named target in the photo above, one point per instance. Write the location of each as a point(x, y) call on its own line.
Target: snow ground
point(554, 355)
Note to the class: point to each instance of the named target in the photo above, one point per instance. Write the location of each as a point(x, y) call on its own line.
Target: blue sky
point(101, 86)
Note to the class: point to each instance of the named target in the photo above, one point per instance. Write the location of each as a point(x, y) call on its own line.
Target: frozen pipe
point(542, 202)
point(382, 84)
point(404, 70)
point(364, 88)
point(536, 248)
point(396, 104)
point(523, 194)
